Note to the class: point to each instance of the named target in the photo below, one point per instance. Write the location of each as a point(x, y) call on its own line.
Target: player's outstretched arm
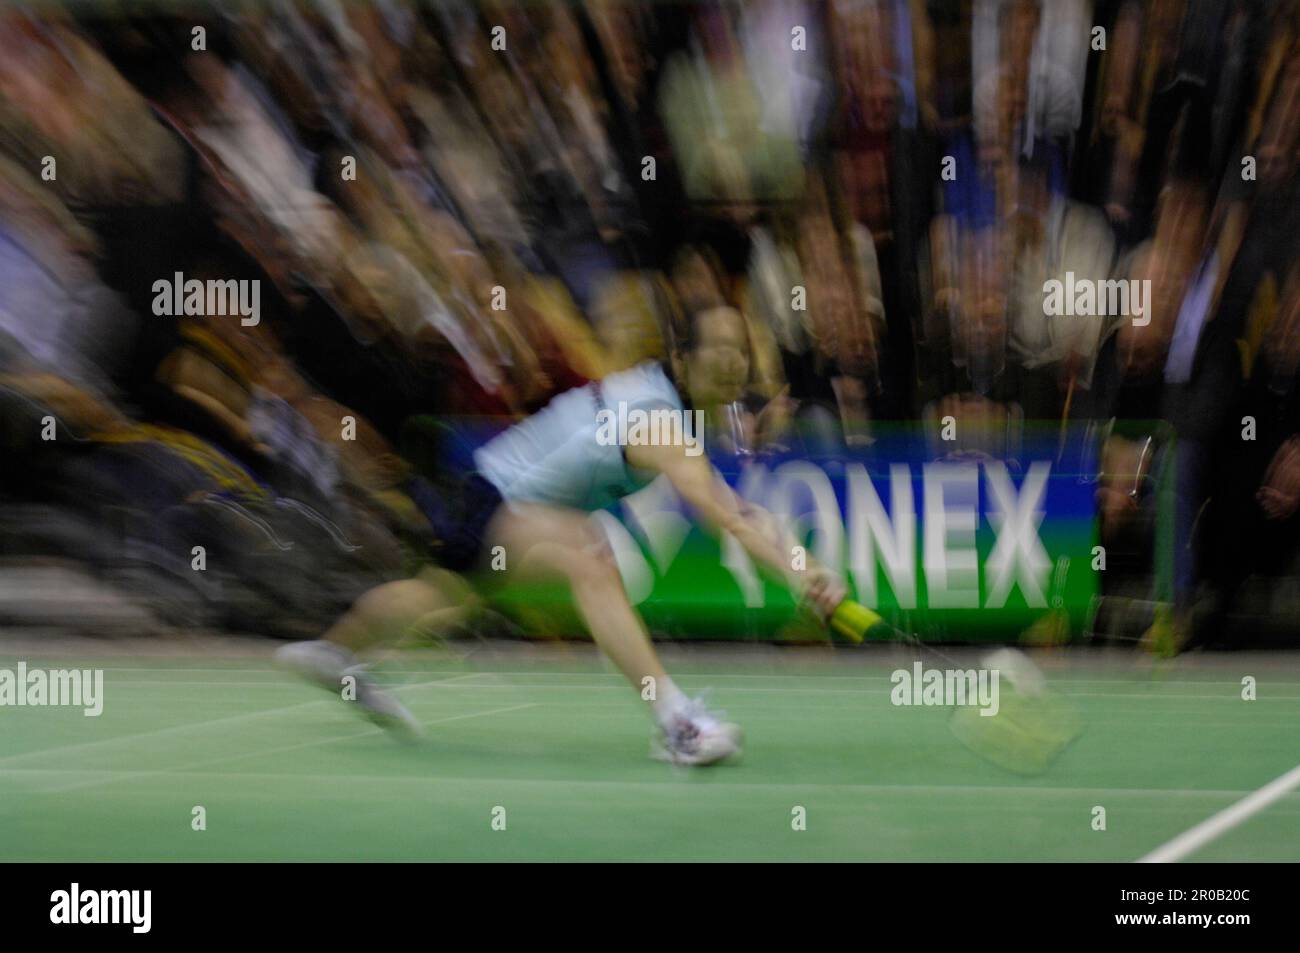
point(722, 511)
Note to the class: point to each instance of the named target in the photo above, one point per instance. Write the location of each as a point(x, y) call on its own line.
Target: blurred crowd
point(463, 209)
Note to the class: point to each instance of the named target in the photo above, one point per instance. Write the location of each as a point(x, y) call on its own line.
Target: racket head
point(1031, 726)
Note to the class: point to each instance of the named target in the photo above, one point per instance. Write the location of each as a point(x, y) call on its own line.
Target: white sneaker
point(696, 736)
point(317, 661)
point(383, 708)
point(327, 665)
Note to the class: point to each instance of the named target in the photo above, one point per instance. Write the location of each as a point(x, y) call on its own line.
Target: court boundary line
point(186, 726)
point(1228, 696)
point(1214, 826)
point(186, 771)
point(1058, 678)
point(210, 762)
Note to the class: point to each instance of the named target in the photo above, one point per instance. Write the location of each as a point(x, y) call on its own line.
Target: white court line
point(1197, 837)
point(1120, 678)
point(444, 781)
point(209, 762)
point(866, 676)
point(276, 679)
point(852, 692)
point(189, 725)
point(1229, 694)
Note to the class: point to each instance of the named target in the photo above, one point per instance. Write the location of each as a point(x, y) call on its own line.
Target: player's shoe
point(317, 661)
point(383, 708)
point(696, 736)
point(328, 665)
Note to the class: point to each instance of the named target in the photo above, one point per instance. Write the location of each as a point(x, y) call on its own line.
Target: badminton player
point(532, 491)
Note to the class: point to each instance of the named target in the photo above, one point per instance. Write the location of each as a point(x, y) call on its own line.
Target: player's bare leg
point(382, 615)
point(544, 543)
point(379, 617)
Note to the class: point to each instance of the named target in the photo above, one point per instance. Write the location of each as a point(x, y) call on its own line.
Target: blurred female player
point(533, 490)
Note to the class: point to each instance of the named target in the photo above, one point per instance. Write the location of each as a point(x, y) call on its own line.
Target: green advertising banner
point(950, 545)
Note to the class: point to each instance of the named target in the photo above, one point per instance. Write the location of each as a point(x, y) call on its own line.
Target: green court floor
point(552, 736)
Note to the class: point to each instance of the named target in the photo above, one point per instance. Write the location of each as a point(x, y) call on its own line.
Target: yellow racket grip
point(852, 620)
